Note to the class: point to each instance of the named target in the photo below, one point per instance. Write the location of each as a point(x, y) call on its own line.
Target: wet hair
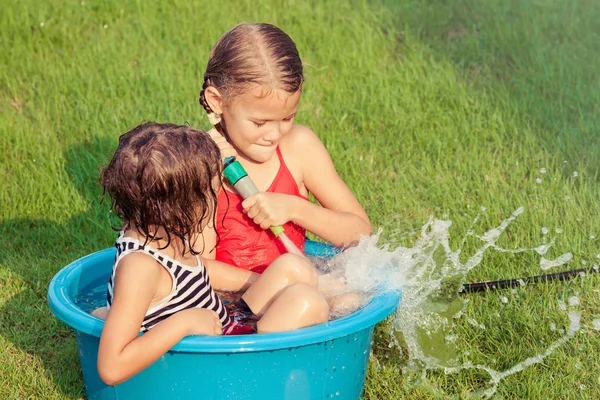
point(252, 54)
point(162, 175)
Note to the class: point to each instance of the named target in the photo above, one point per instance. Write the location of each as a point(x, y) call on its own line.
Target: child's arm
point(122, 353)
point(222, 276)
point(341, 219)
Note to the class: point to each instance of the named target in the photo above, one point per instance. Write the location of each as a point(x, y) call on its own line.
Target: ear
point(214, 99)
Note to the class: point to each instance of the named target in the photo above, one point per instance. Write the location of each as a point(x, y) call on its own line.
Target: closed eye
point(259, 124)
point(291, 117)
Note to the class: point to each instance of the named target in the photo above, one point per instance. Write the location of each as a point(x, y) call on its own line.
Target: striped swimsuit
point(191, 286)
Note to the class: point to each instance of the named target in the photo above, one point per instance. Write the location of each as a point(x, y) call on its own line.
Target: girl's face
point(256, 122)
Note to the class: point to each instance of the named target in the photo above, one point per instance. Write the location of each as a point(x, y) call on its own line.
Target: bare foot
point(344, 304)
point(101, 312)
point(331, 285)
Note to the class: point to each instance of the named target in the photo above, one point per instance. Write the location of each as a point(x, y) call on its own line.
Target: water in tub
point(430, 275)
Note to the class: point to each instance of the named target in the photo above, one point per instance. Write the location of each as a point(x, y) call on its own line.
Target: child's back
point(163, 181)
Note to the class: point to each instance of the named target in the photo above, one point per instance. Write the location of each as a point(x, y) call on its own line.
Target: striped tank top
point(191, 285)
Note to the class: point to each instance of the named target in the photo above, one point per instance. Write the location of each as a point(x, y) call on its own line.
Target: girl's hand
point(225, 147)
point(270, 209)
point(201, 321)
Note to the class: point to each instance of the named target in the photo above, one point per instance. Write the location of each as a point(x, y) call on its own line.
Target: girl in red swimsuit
point(251, 92)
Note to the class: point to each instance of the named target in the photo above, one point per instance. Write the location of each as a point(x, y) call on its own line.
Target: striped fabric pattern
point(191, 285)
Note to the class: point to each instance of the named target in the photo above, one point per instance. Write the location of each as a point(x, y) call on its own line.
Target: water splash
point(430, 275)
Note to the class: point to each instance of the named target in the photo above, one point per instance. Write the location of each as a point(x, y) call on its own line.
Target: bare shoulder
point(300, 135)
point(301, 147)
point(140, 264)
point(303, 152)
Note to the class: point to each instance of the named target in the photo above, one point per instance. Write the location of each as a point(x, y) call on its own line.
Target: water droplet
point(573, 301)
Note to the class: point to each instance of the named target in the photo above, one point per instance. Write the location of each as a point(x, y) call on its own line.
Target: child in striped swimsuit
point(164, 182)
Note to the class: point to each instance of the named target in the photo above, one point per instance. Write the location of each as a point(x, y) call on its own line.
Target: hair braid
point(202, 98)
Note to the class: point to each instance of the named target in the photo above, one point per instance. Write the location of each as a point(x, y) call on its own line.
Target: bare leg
point(344, 304)
point(331, 285)
point(101, 312)
point(341, 301)
point(286, 270)
point(297, 306)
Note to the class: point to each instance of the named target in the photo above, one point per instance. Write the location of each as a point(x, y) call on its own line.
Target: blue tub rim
point(66, 310)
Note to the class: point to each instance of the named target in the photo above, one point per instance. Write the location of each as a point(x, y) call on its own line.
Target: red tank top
point(241, 242)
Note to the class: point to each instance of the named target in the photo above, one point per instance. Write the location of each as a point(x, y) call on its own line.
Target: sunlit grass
point(427, 109)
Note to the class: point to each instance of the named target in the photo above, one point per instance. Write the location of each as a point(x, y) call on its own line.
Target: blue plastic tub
point(318, 362)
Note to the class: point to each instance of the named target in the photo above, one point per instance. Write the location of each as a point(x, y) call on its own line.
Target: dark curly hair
point(162, 176)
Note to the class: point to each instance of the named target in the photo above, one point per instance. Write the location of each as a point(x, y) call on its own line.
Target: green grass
point(427, 108)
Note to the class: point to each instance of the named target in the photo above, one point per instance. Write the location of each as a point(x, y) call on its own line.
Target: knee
point(297, 269)
point(303, 296)
point(297, 306)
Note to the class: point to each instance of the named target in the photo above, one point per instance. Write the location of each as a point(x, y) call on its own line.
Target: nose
point(274, 134)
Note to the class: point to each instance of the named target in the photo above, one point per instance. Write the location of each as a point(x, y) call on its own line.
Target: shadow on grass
point(35, 252)
point(542, 55)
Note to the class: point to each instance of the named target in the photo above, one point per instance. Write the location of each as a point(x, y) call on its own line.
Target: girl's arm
point(122, 353)
point(222, 276)
point(340, 219)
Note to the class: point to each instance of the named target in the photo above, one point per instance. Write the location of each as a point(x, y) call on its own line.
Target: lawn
point(431, 108)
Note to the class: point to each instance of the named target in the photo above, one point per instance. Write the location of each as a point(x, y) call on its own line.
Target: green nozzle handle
point(241, 182)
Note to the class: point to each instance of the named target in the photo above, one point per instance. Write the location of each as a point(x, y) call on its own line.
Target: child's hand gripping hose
point(243, 185)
